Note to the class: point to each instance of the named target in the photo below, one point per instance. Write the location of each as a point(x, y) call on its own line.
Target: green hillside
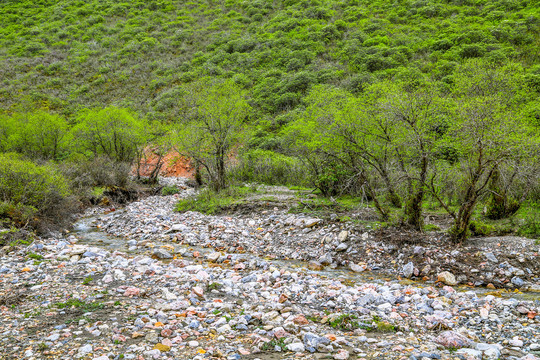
point(408, 106)
point(64, 55)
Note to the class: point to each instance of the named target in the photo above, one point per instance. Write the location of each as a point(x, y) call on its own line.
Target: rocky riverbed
point(144, 282)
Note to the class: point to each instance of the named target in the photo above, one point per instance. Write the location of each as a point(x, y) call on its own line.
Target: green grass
point(345, 322)
point(87, 280)
point(210, 202)
point(270, 346)
point(34, 256)
point(431, 227)
point(169, 190)
point(78, 304)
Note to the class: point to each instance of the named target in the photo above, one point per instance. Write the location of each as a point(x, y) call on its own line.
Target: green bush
point(31, 193)
point(530, 225)
point(480, 229)
point(98, 172)
point(169, 190)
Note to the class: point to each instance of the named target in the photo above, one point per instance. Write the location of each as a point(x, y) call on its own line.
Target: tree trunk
point(198, 175)
point(413, 207)
point(220, 183)
point(393, 197)
point(460, 230)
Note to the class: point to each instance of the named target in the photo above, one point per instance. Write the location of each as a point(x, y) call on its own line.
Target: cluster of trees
point(399, 142)
point(396, 143)
point(112, 132)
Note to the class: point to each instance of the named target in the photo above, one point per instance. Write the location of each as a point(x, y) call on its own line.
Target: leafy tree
point(39, 135)
point(213, 127)
point(488, 134)
point(112, 132)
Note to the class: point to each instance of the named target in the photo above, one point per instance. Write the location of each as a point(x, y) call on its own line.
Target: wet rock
point(314, 265)
point(162, 254)
point(326, 259)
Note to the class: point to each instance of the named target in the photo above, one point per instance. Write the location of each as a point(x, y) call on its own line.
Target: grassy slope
point(64, 55)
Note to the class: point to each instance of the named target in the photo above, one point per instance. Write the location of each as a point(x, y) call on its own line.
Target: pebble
point(408, 270)
point(447, 278)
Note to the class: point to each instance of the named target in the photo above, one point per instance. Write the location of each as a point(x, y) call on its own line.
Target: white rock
point(296, 347)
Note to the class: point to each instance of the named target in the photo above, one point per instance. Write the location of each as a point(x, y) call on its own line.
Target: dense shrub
point(31, 193)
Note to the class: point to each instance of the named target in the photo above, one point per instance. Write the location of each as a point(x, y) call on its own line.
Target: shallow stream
point(88, 234)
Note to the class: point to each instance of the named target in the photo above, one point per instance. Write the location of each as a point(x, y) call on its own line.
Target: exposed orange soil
point(174, 165)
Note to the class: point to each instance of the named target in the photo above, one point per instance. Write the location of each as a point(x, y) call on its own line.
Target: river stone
point(447, 278)
point(356, 268)
point(343, 235)
point(452, 339)
point(408, 270)
point(326, 259)
point(296, 347)
point(342, 354)
point(492, 353)
point(470, 354)
point(83, 350)
point(162, 254)
point(309, 223)
point(314, 265)
point(517, 281)
point(491, 257)
point(313, 340)
point(342, 247)
point(213, 257)
point(179, 227)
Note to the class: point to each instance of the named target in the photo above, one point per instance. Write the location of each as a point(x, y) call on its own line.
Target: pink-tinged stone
point(197, 290)
point(132, 291)
point(243, 351)
point(453, 339)
point(167, 342)
point(166, 332)
point(239, 266)
point(119, 337)
point(300, 320)
point(341, 355)
point(177, 339)
point(484, 313)
point(280, 333)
